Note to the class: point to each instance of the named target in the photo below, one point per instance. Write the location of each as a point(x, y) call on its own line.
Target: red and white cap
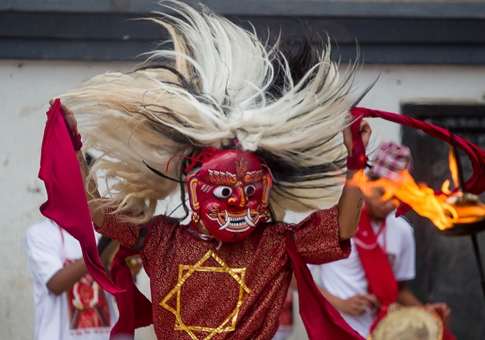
point(389, 159)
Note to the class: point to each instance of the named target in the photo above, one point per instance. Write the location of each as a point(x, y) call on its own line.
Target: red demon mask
point(230, 194)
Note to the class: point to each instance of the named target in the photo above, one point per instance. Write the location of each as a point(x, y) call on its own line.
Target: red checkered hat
point(389, 159)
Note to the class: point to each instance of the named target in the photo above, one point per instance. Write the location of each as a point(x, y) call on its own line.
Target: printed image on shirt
point(87, 305)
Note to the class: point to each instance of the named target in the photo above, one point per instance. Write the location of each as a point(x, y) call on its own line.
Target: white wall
point(26, 87)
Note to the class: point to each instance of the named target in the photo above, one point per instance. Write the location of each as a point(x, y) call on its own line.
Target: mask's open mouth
point(236, 222)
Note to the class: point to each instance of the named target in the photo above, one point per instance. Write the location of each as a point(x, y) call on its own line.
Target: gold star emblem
point(185, 271)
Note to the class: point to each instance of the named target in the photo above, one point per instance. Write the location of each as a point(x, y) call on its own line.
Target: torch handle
point(459, 167)
point(476, 249)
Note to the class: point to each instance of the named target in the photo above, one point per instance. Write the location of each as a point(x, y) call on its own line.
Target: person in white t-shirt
point(344, 283)
point(69, 304)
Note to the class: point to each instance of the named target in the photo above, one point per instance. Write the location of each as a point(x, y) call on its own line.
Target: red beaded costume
point(239, 287)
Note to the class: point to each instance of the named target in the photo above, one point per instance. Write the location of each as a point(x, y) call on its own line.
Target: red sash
point(378, 271)
point(321, 319)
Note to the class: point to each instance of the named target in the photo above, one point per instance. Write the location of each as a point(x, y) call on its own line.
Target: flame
point(444, 209)
point(453, 168)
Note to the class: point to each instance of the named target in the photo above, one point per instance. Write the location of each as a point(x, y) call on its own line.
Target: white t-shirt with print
point(346, 278)
point(48, 248)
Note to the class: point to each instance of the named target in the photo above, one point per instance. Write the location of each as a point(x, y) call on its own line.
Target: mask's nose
point(238, 198)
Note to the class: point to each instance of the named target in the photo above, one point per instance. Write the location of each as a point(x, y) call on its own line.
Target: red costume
point(182, 266)
point(242, 130)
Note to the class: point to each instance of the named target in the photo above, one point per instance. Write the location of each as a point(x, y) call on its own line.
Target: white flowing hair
point(214, 87)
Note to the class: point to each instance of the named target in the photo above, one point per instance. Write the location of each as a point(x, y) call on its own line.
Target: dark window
point(446, 266)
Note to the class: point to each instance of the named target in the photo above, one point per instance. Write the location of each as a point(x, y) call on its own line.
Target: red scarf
point(66, 205)
point(378, 271)
point(321, 319)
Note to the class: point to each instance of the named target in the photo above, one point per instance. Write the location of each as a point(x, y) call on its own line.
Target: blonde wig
point(218, 84)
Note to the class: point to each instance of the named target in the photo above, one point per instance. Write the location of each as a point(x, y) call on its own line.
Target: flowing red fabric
point(378, 271)
point(358, 159)
point(321, 319)
point(135, 309)
point(66, 205)
point(66, 201)
point(475, 184)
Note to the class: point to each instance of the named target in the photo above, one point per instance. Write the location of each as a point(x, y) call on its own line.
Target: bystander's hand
point(356, 305)
point(442, 309)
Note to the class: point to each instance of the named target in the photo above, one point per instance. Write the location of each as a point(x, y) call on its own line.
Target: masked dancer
point(242, 131)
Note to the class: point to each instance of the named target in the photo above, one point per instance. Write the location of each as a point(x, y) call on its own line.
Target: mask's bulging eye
point(222, 192)
point(249, 190)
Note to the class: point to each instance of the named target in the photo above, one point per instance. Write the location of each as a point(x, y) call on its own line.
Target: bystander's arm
point(405, 297)
point(66, 277)
point(354, 305)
